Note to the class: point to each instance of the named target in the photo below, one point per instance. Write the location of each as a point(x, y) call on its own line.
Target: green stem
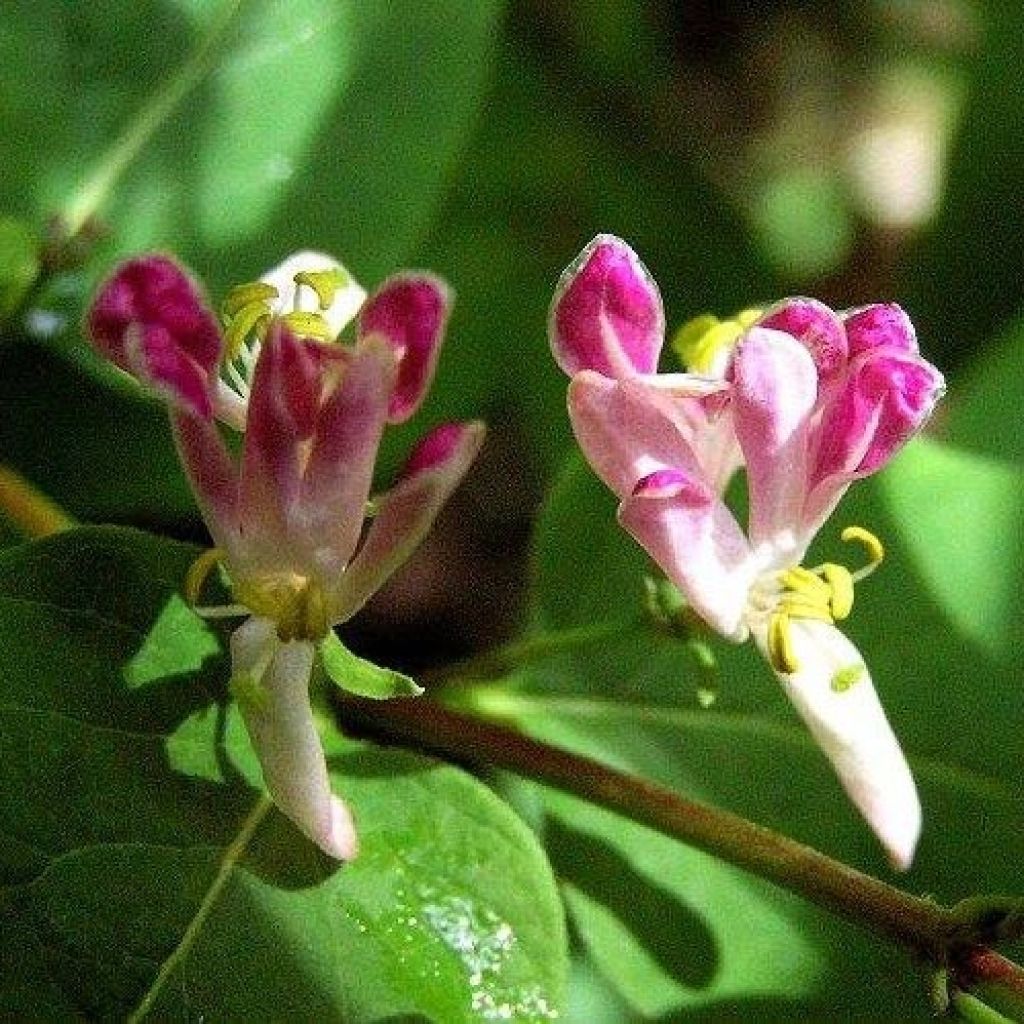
point(499, 661)
point(93, 192)
point(926, 929)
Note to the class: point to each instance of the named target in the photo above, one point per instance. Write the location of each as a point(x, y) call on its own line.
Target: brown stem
point(926, 929)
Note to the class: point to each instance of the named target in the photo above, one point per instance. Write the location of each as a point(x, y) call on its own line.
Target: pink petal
point(284, 402)
point(607, 313)
point(408, 510)
point(816, 327)
point(883, 325)
point(339, 473)
point(277, 713)
point(627, 430)
point(681, 523)
point(851, 728)
point(410, 312)
point(775, 387)
point(150, 319)
point(212, 475)
point(885, 399)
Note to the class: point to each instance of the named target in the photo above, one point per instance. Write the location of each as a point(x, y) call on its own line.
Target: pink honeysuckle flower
point(288, 518)
point(607, 316)
point(814, 400)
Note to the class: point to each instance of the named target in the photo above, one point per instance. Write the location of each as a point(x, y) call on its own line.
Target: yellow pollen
point(243, 295)
point(198, 571)
point(326, 284)
point(847, 677)
point(309, 325)
point(698, 342)
point(822, 594)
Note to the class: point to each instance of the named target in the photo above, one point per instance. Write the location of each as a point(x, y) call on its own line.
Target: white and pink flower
point(288, 517)
point(813, 400)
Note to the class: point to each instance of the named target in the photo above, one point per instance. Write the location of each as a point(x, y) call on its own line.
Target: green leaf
point(724, 943)
point(361, 677)
point(144, 869)
point(19, 263)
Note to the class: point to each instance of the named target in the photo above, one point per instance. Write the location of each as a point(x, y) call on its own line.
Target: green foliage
point(143, 867)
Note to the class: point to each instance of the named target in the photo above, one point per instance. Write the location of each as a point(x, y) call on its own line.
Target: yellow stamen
point(699, 341)
point(871, 544)
point(198, 571)
point(780, 645)
point(243, 295)
point(326, 283)
point(797, 607)
point(847, 677)
point(840, 583)
point(250, 319)
point(309, 325)
point(804, 581)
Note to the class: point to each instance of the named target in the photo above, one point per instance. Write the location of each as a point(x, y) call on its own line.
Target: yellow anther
point(296, 605)
point(326, 283)
point(871, 544)
point(686, 342)
point(780, 645)
point(847, 677)
point(308, 325)
point(250, 319)
point(699, 341)
point(804, 581)
point(243, 295)
point(799, 606)
point(198, 571)
point(840, 582)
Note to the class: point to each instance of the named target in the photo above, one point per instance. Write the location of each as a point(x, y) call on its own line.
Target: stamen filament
point(198, 571)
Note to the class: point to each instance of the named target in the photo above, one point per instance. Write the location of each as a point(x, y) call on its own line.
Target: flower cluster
point(807, 400)
point(288, 518)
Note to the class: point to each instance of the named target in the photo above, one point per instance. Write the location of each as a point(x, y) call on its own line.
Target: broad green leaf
point(145, 870)
point(951, 688)
point(984, 410)
point(19, 262)
point(362, 677)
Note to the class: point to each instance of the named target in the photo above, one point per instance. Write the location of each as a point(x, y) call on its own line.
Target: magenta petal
point(150, 319)
point(885, 400)
point(212, 474)
point(607, 313)
point(816, 327)
point(681, 523)
point(283, 404)
point(775, 388)
point(339, 472)
point(408, 510)
point(626, 430)
point(410, 312)
point(883, 325)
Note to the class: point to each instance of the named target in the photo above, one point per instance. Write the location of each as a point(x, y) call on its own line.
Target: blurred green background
point(855, 151)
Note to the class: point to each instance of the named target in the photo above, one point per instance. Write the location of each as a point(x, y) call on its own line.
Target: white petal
point(347, 300)
point(275, 706)
point(851, 728)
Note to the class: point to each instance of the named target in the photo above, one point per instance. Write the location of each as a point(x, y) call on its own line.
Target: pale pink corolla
point(814, 401)
point(288, 516)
